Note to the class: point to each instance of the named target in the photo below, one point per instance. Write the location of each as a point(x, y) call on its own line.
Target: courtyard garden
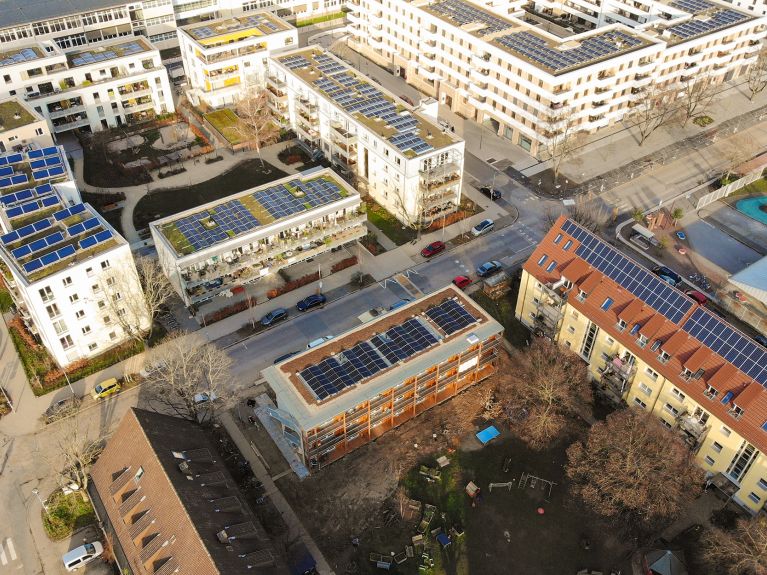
point(66, 513)
point(226, 123)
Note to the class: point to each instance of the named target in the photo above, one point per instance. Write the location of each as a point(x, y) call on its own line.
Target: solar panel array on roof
point(692, 6)
point(464, 13)
point(50, 258)
point(16, 235)
point(64, 214)
point(450, 316)
point(656, 293)
point(719, 20)
point(745, 354)
point(293, 62)
point(206, 228)
point(332, 375)
point(23, 55)
point(593, 48)
point(280, 202)
point(33, 206)
point(9, 159)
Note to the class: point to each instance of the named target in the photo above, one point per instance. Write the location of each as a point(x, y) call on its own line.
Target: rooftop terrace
point(13, 115)
point(243, 213)
point(234, 29)
point(366, 101)
point(20, 55)
point(109, 52)
point(45, 235)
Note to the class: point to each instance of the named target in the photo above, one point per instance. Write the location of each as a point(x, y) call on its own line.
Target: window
point(105, 265)
point(53, 310)
point(46, 293)
point(725, 431)
point(671, 409)
point(93, 346)
point(74, 298)
point(605, 356)
point(571, 328)
point(38, 131)
point(609, 340)
point(575, 314)
point(607, 303)
point(86, 330)
point(652, 373)
point(67, 281)
point(113, 336)
point(117, 296)
point(621, 324)
point(716, 446)
point(110, 281)
point(107, 320)
point(139, 474)
point(79, 314)
point(646, 389)
point(640, 403)
point(567, 245)
point(754, 497)
point(710, 392)
point(551, 266)
point(543, 259)
point(709, 460)
point(664, 357)
point(666, 423)
point(59, 326)
point(762, 483)
point(678, 395)
point(96, 288)
point(120, 312)
point(89, 271)
point(558, 238)
point(66, 342)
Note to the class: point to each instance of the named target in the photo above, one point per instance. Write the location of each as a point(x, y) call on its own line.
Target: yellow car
point(106, 388)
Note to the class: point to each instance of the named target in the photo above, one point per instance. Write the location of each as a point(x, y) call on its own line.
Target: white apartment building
point(215, 248)
point(21, 125)
point(223, 57)
point(520, 74)
point(78, 23)
point(405, 161)
point(71, 276)
point(117, 83)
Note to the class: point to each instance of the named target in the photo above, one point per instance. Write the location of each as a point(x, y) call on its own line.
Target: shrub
point(229, 310)
point(213, 160)
point(343, 264)
point(66, 514)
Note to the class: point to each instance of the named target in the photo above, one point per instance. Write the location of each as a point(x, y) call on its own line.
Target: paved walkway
point(295, 527)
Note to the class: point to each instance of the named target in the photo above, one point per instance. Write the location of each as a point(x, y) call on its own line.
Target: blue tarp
point(443, 539)
point(488, 434)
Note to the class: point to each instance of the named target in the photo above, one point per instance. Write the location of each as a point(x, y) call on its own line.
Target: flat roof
point(46, 235)
point(245, 212)
point(20, 55)
point(707, 19)
point(16, 12)
point(13, 115)
point(366, 101)
point(224, 30)
point(121, 49)
point(378, 355)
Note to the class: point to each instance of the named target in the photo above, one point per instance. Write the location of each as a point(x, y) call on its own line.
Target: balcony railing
point(431, 185)
point(692, 430)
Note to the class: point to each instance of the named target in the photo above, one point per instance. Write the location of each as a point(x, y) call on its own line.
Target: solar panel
point(663, 298)
point(717, 21)
point(463, 13)
point(450, 316)
point(719, 336)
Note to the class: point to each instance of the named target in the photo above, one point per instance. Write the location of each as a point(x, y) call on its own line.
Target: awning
point(753, 280)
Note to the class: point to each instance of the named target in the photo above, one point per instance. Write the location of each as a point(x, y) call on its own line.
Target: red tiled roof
point(684, 349)
point(631, 311)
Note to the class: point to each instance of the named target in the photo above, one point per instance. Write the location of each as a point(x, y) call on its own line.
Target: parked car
point(61, 408)
point(82, 555)
point(489, 268)
point(312, 301)
point(285, 356)
point(399, 304)
point(106, 388)
point(407, 99)
point(640, 240)
point(461, 281)
point(483, 227)
point(669, 273)
point(274, 316)
point(204, 397)
point(760, 339)
point(433, 249)
point(697, 296)
point(319, 341)
point(491, 193)
point(668, 279)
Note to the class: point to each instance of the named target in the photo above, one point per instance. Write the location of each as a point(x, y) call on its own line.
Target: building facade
point(224, 57)
point(652, 347)
point(120, 82)
point(531, 80)
point(20, 126)
point(400, 155)
point(247, 236)
point(71, 276)
point(163, 493)
point(347, 392)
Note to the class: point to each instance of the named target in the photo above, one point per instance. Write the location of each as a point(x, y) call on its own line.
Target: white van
point(318, 341)
point(78, 557)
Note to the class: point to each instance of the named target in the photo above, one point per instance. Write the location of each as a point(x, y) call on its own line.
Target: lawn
point(757, 188)
point(319, 19)
point(5, 298)
point(66, 514)
point(166, 202)
point(390, 226)
point(227, 124)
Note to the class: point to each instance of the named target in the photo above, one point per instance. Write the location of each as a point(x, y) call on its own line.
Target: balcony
point(691, 429)
point(434, 183)
point(136, 107)
point(74, 124)
point(342, 134)
point(440, 199)
point(61, 112)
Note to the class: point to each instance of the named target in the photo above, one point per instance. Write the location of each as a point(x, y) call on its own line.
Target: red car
point(432, 249)
point(461, 282)
point(697, 296)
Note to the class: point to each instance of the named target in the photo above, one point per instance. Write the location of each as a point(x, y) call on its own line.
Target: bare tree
point(134, 297)
point(756, 76)
point(560, 128)
point(740, 148)
point(742, 551)
point(632, 469)
point(590, 212)
point(654, 108)
point(549, 384)
point(78, 452)
point(695, 96)
point(256, 124)
point(189, 376)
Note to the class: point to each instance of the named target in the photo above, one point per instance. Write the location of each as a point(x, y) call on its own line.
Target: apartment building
point(356, 387)
point(224, 57)
point(247, 236)
point(402, 158)
point(529, 79)
point(88, 89)
point(75, 24)
point(164, 495)
point(653, 347)
point(21, 125)
point(71, 276)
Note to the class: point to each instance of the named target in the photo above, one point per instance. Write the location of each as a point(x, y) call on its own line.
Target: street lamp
point(36, 491)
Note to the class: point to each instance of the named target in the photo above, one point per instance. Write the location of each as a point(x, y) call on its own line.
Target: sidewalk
point(295, 527)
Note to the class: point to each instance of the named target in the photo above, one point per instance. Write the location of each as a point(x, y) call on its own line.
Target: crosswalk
point(7, 552)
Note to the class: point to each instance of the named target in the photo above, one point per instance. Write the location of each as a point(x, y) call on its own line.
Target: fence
point(725, 191)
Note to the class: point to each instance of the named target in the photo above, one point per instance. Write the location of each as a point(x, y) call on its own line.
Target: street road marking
point(11, 550)
point(3, 558)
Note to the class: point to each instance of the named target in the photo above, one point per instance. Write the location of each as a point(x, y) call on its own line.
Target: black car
point(274, 316)
point(664, 271)
point(761, 340)
point(285, 356)
point(61, 408)
point(315, 300)
point(491, 193)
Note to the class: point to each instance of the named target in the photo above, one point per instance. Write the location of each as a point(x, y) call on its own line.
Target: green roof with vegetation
point(228, 124)
point(13, 115)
